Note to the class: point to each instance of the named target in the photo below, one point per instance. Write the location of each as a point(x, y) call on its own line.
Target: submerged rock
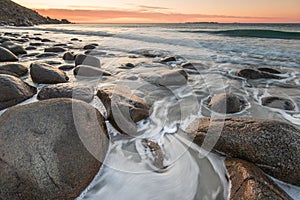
point(66, 67)
point(16, 68)
point(175, 77)
point(6, 55)
point(272, 145)
point(226, 103)
point(168, 59)
point(45, 55)
point(249, 182)
point(47, 74)
point(269, 70)
point(278, 102)
point(89, 46)
point(88, 71)
point(123, 108)
point(50, 149)
point(82, 59)
point(67, 90)
point(256, 74)
point(13, 91)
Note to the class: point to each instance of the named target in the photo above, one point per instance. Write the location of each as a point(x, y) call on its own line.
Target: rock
point(88, 71)
point(175, 77)
point(30, 48)
point(67, 90)
point(226, 103)
point(127, 66)
point(256, 74)
point(69, 56)
point(272, 145)
point(13, 91)
point(89, 46)
point(6, 55)
point(50, 149)
point(82, 59)
point(8, 73)
point(46, 55)
point(16, 68)
point(278, 102)
point(168, 59)
point(14, 48)
point(66, 67)
point(249, 182)
point(55, 49)
point(46, 74)
point(269, 70)
point(52, 62)
point(74, 39)
point(36, 44)
point(46, 40)
point(156, 151)
point(123, 108)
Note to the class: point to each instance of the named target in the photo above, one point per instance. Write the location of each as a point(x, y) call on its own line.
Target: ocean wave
point(257, 33)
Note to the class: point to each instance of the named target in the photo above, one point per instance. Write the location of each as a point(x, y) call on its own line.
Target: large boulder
point(6, 55)
point(47, 74)
point(249, 182)
point(14, 48)
point(13, 91)
point(278, 102)
point(123, 108)
point(69, 56)
point(272, 145)
point(16, 68)
point(226, 103)
point(50, 149)
point(82, 59)
point(67, 90)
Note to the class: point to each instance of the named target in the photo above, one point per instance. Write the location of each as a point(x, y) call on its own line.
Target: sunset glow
point(163, 11)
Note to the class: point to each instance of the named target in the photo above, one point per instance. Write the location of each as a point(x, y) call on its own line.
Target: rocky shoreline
point(49, 156)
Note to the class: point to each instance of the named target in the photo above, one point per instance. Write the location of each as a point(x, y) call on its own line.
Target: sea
point(216, 52)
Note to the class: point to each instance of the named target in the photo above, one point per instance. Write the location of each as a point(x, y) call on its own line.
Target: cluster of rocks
point(13, 14)
point(64, 139)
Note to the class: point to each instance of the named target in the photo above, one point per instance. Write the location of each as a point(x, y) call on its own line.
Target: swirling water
point(217, 51)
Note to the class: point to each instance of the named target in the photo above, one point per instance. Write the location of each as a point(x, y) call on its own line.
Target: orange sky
point(163, 11)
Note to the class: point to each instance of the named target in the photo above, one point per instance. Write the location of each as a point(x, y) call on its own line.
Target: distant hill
point(14, 14)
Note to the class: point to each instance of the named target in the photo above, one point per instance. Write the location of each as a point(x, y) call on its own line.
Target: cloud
point(123, 16)
point(153, 7)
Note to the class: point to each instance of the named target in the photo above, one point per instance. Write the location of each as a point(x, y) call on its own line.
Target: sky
point(168, 11)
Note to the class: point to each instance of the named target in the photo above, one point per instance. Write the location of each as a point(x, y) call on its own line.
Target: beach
point(159, 111)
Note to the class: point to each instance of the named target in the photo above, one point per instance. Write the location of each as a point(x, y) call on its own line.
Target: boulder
point(88, 71)
point(82, 59)
point(175, 77)
point(69, 56)
point(272, 145)
point(6, 55)
point(127, 66)
point(14, 48)
point(67, 90)
point(13, 91)
point(226, 103)
point(89, 46)
point(249, 182)
point(16, 68)
point(123, 108)
point(47, 74)
point(50, 149)
point(278, 102)
point(256, 74)
point(55, 49)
